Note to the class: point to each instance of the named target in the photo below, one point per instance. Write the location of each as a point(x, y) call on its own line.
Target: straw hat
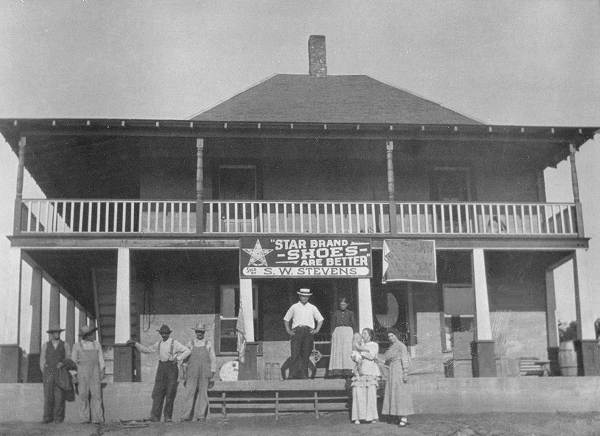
point(199, 327)
point(304, 291)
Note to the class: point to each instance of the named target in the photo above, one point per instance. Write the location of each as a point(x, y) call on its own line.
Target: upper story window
point(451, 184)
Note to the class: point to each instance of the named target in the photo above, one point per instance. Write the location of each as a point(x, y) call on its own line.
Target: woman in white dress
point(364, 385)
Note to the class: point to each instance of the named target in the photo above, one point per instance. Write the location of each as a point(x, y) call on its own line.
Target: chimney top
point(317, 61)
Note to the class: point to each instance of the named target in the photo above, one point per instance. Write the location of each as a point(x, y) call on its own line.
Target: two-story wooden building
point(302, 181)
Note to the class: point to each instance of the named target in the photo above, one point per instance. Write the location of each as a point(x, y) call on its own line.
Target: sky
point(501, 62)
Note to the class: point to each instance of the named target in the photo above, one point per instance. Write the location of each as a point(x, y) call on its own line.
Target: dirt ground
point(495, 424)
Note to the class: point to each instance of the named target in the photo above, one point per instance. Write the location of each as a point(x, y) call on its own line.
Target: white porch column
point(35, 300)
point(483, 330)
point(9, 292)
point(365, 304)
point(54, 309)
point(551, 321)
point(590, 353)
point(70, 322)
point(123, 309)
point(583, 299)
point(247, 309)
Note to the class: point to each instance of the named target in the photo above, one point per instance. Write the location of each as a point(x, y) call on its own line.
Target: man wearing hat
point(87, 354)
point(52, 358)
point(201, 367)
point(302, 316)
point(170, 352)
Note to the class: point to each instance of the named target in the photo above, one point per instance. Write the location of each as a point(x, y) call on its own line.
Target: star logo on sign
point(257, 254)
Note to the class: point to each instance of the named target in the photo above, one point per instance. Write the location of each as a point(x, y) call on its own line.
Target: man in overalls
point(52, 358)
point(169, 352)
point(87, 354)
point(201, 367)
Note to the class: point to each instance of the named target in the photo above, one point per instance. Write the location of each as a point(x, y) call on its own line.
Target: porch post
point(123, 354)
point(412, 325)
point(70, 322)
point(586, 335)
point(551, 322)
point(575, 183)
point(19, 194)
point(365, 305)
point(199, 185)
point(35, 336)
point(54, 310)
point(246, 308)
point(10, 319)
point(389, 154)
point(484, 361)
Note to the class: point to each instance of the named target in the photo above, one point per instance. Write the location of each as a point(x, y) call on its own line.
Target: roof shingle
point(330, 99)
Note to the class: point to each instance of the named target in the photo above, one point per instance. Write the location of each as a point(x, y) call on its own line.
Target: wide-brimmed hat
point(54, 328)
point(164, 329)
point(86, 330)
point(199, 327)
point(304, 291)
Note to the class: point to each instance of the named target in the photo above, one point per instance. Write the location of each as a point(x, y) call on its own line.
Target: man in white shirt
point(302, 316)
point(170, 352)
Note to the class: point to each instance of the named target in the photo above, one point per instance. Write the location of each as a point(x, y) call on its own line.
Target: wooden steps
point(105, 286)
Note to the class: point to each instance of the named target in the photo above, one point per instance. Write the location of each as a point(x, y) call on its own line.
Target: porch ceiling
point(72, 270)
point(69, 156)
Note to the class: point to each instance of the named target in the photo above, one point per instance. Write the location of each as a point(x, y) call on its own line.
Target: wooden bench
point(280, 395)
point(534, 366)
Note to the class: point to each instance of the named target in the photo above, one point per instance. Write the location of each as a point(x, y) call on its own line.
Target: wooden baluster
point(106, 216)
point(55, 216)
point(318, 218)
point(38, 224)
point(570, 215)
point(373, 218)
point(29, 213)
point(210, 216)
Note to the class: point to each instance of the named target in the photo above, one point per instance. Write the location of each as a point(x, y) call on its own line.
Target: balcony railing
point(298, 217)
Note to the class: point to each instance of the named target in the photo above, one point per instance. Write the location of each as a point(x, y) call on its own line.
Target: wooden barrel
point(567, 359)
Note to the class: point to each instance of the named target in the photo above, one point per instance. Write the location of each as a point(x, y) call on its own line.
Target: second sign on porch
point(305, 257)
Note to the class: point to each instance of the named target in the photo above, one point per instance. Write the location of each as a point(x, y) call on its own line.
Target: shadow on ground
point(489, 424)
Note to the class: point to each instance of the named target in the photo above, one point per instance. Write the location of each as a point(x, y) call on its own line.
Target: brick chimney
point(317, 61)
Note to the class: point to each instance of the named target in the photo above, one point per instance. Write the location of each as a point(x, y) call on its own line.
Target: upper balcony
point(164, 217)
point(194, 180)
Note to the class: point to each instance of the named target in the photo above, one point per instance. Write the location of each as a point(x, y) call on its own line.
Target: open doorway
point(276, 296)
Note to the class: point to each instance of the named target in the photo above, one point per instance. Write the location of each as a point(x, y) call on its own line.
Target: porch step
point(105, 283)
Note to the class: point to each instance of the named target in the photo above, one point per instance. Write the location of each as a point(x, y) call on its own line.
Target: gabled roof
point(330, 99)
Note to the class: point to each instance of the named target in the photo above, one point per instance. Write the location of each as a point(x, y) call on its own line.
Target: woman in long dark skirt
point(343, 326)
point(397, 400)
